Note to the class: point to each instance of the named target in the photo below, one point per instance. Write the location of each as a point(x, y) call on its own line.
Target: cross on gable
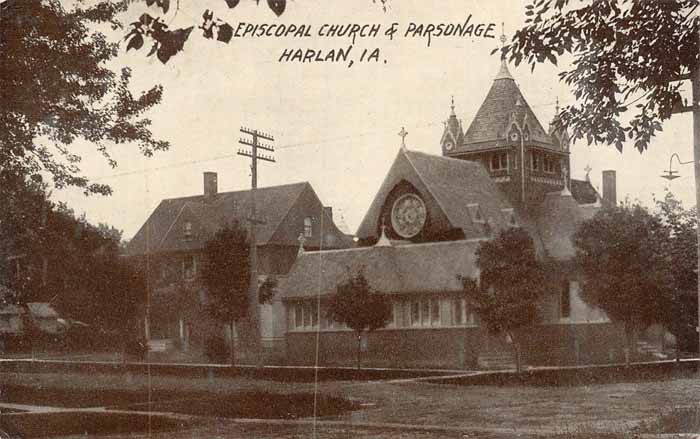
point(588, 170)
point(403, 133)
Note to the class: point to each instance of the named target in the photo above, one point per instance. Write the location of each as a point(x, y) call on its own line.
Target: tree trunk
point(359, 342)
point(231, 348)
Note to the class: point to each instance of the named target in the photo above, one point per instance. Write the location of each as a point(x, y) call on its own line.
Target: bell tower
point(453, 134)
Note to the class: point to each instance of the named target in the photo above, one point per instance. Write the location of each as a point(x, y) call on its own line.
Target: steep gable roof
point(556, 221)
point(273, 203)
point(503, 104)
point(411, 268)
point(454, 184)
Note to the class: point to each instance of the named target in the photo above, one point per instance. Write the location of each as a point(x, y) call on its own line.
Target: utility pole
point(695, 81)
point(253, 314)
point(694, 77)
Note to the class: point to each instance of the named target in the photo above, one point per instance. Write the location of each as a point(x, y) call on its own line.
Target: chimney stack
point(328, 210)
point(210, 186)
point(609, 188)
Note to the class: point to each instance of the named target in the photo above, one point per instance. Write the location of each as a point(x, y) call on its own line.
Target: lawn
point(484, 411)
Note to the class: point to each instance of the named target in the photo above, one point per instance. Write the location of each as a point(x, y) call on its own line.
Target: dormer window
point(308, 227)
point(187, 231)
point(499, 161)
point(526, 134)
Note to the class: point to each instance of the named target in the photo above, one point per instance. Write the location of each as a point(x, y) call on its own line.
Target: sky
point(335, 126)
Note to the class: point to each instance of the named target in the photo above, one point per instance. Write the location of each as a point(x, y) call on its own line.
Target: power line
point(229, 156)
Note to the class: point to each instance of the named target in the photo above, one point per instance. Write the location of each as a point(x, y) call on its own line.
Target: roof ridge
point(442, 157)
point(185, 198)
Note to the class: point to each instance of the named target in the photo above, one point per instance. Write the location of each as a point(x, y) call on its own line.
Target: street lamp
point(671, 174)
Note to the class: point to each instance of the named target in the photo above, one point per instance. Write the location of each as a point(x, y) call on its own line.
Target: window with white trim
point(535, 160)
point(415, 313)
point(189, 267)
point(550, 164)
point(434, 312)
point(187, 230)
point(308, 227)
point(499, 161)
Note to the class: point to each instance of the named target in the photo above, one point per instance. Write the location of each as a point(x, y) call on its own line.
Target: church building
point(421, 232)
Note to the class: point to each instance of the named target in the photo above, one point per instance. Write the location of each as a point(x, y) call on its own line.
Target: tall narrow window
point(187, 230)
point(415, 313)
point(499, 161)
point(298, 316)
point(565, 300)
point(189, 267)
point(458, 312)
point(308, 227)
point(434, 312)
point(425, 312)
point(534, 161)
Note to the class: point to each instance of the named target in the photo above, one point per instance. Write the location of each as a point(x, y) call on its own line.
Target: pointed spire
point(503, 73)
point(452, 107)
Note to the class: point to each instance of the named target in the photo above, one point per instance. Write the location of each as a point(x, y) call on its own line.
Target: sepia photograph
point(349, 219)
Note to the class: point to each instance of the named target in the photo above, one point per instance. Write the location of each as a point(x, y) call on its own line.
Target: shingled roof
point(273, 204)
point(412, 268)
point(454, 185)
point(489, 127)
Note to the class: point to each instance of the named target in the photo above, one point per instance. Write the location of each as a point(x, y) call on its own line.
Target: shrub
point(216, 349)
point(136, 348)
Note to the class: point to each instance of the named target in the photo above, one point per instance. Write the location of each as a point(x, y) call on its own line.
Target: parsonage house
point(171, 243)
point(422, 230)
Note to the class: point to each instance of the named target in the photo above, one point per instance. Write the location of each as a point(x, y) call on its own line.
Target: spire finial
point(565, 177)
point(556, 107)
point(403, 133)
point(302, 240)
point(503, 40)
point(383, 240)
point(452, 106)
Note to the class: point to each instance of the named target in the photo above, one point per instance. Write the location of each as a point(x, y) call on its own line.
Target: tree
point(511, 283)
point(681, 247)
point(226, 275)
point(625, 55)
point(56, 86)
point(626, 272)
point(358, 306)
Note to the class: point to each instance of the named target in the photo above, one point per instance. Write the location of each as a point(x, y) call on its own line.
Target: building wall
point(458, 348)
point(569, 335)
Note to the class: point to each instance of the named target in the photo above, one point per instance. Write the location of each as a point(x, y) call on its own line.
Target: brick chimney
point(328, 210)
point(210, 186)
point(609, 188)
